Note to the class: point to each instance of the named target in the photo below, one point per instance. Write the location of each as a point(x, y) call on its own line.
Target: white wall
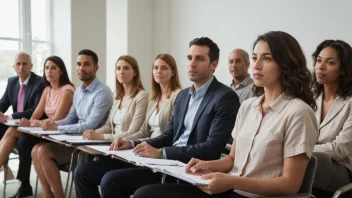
point(236, 24)
point(116, 36)
point(145, 28)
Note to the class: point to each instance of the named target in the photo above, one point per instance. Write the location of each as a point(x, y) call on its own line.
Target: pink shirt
point(52, 105)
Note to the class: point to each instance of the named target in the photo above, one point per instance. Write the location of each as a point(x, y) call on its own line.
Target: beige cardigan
point(132, 119)
point(164, 117)
point(335, 131)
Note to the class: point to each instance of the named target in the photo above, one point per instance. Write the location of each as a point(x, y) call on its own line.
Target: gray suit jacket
point(335, 131)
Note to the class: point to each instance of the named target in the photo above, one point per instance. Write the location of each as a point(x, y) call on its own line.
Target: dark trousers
point(178, 190)
point(25, 145)
point(3, 129)
point(117, 179)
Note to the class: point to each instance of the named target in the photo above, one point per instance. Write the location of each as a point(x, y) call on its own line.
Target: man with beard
point(242, 83)
point(91, 104)
point(203, 118)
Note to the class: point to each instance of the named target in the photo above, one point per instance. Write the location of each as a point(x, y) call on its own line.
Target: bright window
point(25, 26)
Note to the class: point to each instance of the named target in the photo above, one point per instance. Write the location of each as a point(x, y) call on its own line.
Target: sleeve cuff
point(164, 154)
point(132, 143)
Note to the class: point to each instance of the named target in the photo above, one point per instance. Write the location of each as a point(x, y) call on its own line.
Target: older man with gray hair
point(242, 83)
point(23, 93)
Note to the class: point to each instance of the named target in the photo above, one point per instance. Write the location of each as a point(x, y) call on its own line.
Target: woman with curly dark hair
point(332, 88)
point(274, 134)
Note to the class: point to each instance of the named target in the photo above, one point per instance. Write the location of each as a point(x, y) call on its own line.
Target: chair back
point(308, 179)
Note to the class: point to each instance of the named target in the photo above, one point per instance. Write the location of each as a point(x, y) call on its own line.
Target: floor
point(12, 185)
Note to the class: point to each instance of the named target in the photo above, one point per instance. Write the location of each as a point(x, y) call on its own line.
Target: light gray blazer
point(132, 119)
point(335, 131)
point(164, 117)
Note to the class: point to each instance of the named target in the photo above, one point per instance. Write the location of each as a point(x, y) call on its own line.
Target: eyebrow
point(263, 54)
point(329, 58)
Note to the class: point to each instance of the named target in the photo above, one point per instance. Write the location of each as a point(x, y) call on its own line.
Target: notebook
point(13, 123)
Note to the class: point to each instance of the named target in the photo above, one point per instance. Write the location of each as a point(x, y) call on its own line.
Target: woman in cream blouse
point(165, 87)
point(332, 88)
point(130, 105)
point(273, 139)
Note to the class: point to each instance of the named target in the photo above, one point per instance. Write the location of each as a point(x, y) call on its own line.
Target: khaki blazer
point(164, 117)
point(132, 119)
point(335, 131)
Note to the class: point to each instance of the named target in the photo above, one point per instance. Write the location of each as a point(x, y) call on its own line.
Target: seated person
point(203, 118)
point(90, 109)
point(273, 139)
point(130, 105)
point(165, 88)
point(333, 92)
point(55, 103)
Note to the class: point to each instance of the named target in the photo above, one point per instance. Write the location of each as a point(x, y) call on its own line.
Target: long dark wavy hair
point(295, 78)
point(344, 52)
point(64, 79)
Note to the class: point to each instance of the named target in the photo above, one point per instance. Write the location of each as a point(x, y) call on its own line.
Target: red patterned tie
point(20, 99)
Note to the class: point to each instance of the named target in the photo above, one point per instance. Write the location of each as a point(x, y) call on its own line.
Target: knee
point(43, 152)
point(109, 179)
point(143, 192)
point(10, 133)
point(79, 171)
point(34, 152)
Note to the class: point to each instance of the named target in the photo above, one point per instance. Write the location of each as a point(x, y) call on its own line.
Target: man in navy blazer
point(33, 91)
point(203, 119)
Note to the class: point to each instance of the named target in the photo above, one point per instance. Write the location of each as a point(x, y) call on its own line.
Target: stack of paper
point(28, 129)
point(14, 122)
point(171, 167)
point(75, 139)
point(100, 148)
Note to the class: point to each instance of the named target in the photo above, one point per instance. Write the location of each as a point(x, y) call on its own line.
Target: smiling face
point(328, 67)
point(266, 72)
point(162, 72)
point(124, 72)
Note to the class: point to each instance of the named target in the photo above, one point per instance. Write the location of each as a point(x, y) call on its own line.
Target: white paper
point(27, 129)
point(14, 122)
point(41, 132)
point(66, 137)
point(179, 172)
point(82, 141)
point(100, 148)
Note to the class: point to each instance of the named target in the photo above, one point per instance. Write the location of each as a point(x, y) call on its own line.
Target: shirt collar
point(277, 106)
point(201, 91)
point(26, 81)
point(243, 83)
point(91, 86)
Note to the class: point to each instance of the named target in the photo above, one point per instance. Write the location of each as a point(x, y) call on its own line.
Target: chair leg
point(36, 187)
point(5, 176)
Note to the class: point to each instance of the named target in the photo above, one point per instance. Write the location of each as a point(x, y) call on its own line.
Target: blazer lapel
point(17, 89)
point(28, 89)
point(319, 108)
point(183, 112)
point(333, 111)
point(206, 99)
point(151, 110)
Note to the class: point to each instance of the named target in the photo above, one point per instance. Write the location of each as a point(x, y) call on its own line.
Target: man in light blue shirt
point(91, 105)
point(202, 121)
